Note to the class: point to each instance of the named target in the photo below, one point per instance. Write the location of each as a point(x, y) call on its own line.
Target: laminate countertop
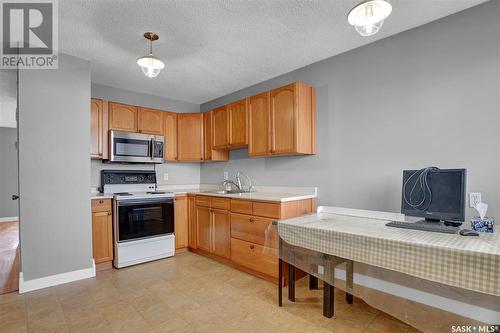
point(261, 193)
point(97, 195)
point(264, 193)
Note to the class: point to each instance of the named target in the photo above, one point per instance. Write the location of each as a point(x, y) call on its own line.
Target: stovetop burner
point(122, 193)
point(156, 192)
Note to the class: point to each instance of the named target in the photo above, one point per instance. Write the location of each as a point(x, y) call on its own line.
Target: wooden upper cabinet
point(238, 123)
point(284, 120)
point(123, 117)
point(190, 137)
point(170, 134)
point(293, 120)
point(210, 154)
point(259, 125)
point(220, 128)
point(149, 121)
point(98, 129)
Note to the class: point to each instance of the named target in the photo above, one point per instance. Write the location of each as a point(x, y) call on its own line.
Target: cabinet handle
point(101, 201)
point(109, 213)
point(252, 220)
point(251, 247)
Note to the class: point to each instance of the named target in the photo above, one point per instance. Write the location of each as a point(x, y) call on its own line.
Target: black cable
point(423, 202)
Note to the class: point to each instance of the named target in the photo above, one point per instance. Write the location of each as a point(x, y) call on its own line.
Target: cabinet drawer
point(255, 257)
point(220, 203)
point(241, 206)
point(101, 205)
point(267, 209)
point(202, 200)
point(253, 229)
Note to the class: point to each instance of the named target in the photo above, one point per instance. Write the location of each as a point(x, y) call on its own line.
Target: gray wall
point(425, 97)
point(178, 173)
point(55, 169)
point(8, 172)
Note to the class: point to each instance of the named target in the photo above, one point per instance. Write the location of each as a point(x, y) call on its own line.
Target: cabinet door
point(238, 123)
point(222, 233)
point(220, 128)
point(149, 121)
point(181, 222)
point(283, 119)
point(96, 130)
point(207, 136)
point(259, 125)
point(203, 229)
point(122, 117)
point(170, 133)
point(192, 222)
point(210, 154)
point(102, 236)
point(189, 136)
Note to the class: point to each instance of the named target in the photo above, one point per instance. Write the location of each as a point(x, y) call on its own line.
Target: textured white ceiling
point(214, 47)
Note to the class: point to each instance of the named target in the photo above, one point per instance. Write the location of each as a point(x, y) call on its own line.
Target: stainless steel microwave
point(135, 147)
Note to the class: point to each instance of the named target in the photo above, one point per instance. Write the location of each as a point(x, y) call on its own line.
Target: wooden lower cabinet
point(102, 231)
point(181, 226)
point(192, 222)
point(203, 229)
point(258, 258)
point(257, 230)
point(242, 230)
point(213, 226)
point(222, 233)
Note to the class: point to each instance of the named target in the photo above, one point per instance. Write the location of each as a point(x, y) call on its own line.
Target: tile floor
point(187, 293)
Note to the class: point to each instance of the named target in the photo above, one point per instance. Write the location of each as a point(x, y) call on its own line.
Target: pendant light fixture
point(151, 66)
point(368, 17)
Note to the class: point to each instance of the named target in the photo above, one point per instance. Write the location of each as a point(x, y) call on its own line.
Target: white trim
point(9, 219)
point(54, 280)
point(463, 309)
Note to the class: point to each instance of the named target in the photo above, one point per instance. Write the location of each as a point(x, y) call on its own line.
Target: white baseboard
point(54, 280)
point(9, 219)
point(454, 306)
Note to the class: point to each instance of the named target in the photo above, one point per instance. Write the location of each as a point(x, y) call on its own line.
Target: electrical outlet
point(226, 175)
point(474, 199)
point(165, 176)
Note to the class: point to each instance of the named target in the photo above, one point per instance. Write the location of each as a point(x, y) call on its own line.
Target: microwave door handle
point(152, 148)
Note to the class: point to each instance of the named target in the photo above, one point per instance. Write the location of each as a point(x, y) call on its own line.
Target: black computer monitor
point(440, 195)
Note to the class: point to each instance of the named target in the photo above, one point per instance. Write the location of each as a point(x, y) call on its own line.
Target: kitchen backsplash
point(178, 173)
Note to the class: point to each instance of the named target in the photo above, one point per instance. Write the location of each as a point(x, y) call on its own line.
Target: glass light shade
point(368, 17)
point(150, 65)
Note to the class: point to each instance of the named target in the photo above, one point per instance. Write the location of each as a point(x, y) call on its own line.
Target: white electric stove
point(143, 218)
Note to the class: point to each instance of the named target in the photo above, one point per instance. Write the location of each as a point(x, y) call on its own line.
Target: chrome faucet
point(249, 181)
point(227, 181)
point(238, 183)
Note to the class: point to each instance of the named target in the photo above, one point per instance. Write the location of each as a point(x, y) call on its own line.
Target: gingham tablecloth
point(466, 262)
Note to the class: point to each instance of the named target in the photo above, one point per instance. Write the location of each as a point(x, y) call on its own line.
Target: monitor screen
point(440, 195)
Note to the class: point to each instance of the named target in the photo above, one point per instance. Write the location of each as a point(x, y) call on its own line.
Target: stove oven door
point(136, 219)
